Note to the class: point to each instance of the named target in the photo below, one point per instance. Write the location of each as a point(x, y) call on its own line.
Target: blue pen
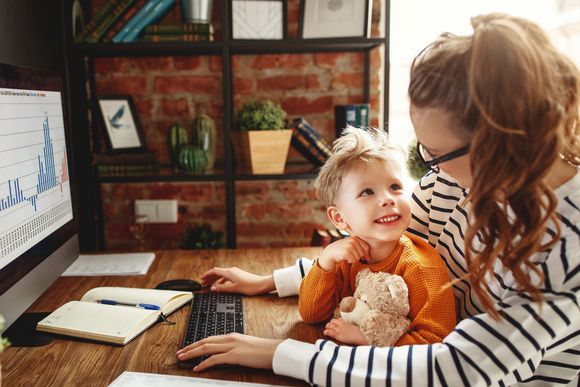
point(144, 306)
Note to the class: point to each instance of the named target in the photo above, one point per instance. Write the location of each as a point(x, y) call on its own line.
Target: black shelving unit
point(80, 69)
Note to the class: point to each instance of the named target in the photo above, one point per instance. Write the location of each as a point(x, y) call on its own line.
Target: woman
point(496, 112)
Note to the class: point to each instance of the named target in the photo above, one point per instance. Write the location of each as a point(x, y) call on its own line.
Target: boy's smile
point(372, 204)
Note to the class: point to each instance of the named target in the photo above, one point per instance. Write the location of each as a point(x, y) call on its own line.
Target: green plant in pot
point(261, 141)
point(201, 236)
point(415, 165)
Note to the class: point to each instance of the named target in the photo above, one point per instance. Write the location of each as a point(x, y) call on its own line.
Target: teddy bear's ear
point(362, 275)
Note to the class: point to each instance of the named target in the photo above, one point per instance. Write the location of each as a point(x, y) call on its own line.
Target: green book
point(121, 7)
point(100, 15)
point(188, 28)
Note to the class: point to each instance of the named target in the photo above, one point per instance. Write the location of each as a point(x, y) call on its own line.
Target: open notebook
point(117, 324)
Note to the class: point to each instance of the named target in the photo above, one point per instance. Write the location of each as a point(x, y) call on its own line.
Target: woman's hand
point(345, 332)
point(233, 348)
point(236, 280)
point(349, 249)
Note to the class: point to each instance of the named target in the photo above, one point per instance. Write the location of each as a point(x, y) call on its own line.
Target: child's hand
point(345, 332)
point(349, 249)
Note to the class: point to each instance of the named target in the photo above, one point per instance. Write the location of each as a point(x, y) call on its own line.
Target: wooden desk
point(69, 362)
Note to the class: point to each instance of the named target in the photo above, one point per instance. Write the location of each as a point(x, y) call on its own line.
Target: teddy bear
point(379, 307)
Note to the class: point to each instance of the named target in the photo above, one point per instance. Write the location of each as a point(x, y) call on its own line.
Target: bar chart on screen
point(35, 194)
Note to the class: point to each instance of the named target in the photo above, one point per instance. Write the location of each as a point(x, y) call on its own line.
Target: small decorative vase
point(196, 11)
point(192, 159)
point(177, 138)
point(204, 136)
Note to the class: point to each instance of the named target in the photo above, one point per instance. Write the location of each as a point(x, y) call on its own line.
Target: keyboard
point(212, 314)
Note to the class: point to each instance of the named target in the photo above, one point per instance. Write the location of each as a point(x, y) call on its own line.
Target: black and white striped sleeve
point(288, 279)
point(479, 352)
point(421, 206)
point(535, 344)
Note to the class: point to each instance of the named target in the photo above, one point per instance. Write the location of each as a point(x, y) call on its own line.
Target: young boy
point(361, 185)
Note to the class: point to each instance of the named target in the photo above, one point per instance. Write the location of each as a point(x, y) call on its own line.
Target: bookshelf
point(80, 71)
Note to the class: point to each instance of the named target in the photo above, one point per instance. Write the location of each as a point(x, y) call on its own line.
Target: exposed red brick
point(109, 65)
point(303, 105)
point(288, 61)
point(178, 107)
point(187, 63)
point(282, 82)
point(244, 86)
point(186, 84)
point(132, 85)
point(348, 80)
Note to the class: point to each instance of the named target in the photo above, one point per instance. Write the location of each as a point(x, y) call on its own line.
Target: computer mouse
point(185, 285)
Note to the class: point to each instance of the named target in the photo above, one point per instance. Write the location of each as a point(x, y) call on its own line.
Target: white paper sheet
point(139, 379)
point(110, 264)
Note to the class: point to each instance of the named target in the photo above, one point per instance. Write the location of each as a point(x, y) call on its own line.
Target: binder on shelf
point(362, 115)
point(120, 8)
point(344, 115)
point(148, 6)
point(156, 13)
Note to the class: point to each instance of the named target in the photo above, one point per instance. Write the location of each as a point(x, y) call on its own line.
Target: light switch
point(158, 211)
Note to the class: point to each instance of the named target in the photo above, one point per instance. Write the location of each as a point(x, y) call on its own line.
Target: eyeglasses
point(433, 163)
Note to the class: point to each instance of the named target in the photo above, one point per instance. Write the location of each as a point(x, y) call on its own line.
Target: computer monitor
point(38, 234)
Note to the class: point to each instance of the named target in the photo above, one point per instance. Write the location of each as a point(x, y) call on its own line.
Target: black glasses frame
point(433, 164)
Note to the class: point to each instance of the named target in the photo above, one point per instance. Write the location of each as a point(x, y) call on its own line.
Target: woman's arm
point(480, 351)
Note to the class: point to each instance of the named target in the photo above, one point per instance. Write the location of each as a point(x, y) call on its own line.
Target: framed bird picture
point(122, 128)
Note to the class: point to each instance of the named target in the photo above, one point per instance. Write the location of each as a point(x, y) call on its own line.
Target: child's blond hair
point(354, 147)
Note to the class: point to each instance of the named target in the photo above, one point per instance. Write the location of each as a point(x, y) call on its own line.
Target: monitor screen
point(36, 208)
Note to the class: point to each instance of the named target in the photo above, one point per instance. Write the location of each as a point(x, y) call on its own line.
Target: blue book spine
point(155, 14)
point(134, 20)
point(344, 115)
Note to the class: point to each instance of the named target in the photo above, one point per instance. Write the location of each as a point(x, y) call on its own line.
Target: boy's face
point(371, 202)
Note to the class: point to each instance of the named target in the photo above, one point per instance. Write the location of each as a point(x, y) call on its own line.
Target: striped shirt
point(532, 345)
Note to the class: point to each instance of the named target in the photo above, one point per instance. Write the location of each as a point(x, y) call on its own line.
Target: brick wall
point(169, 89)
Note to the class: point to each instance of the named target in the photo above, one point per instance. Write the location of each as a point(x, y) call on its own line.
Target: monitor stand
point(22, 333)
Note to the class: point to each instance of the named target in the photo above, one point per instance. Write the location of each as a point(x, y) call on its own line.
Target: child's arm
point(325, 284)
point(432, 310)
point(318, 295)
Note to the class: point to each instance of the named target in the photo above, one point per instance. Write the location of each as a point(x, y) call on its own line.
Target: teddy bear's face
point(383, 292)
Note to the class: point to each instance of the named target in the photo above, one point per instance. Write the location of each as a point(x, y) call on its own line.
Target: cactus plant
point(203, 135)
point(192, 159)
point(177, 138)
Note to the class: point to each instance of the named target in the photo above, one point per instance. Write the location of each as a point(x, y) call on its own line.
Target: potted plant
point(4, 343)
point(262, 141)
point(201, 236)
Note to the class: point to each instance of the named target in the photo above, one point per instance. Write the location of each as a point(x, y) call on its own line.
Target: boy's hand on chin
point(351, 249)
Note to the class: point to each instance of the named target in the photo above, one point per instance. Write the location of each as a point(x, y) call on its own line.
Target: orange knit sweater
point(432, 310)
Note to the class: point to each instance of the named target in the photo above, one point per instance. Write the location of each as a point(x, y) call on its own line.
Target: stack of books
point(111, 164)
point(356, 115)
point(325, 237)
point(307, 141)
point(189, 32)
point(124, 21)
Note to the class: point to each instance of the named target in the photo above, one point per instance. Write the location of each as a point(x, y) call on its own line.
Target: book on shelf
point(113, 315)
point(156, 13)
point(356, 115)
point(309, 143)
point(137, 158)
point(172, 29)
point(113, 169)
point(100, 30)
point(122, 21)
point(95, 20)
point(141, 12)
point(306, 149)
point(185, 37)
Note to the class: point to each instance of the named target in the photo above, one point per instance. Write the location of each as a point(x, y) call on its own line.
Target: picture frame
point(258, 19)
point(122, 129)
point(321, 19)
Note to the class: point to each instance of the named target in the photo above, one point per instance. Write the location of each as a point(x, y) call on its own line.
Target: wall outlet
point(158, 211)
